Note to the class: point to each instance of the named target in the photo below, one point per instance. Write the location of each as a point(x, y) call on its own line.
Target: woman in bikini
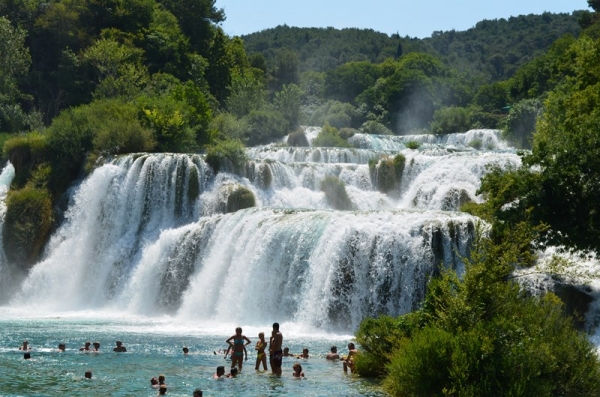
point(238, 344)
point(261, 357)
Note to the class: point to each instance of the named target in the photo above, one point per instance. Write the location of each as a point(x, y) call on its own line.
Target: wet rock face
point(577, 302)
point(239, 199)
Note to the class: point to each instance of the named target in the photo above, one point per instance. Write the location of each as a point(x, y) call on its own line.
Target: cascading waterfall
point(149, 234)
point(6, 177)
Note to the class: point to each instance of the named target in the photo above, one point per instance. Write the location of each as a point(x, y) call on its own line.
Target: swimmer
point(297, 371)
point(304, 353)
point(220, 373)
point(238, 343)
point(96, 347)
point(154, 383)
point(197, 393)
point(86, 347)
point(161, 379)
point(260, 347)
point(162, 390)
point(61, 347)
point(25, 346)
point(120, 348)
point(233, 373)
point(185, 350)
point(333, 355)
point(286, 352)
point(88, 374)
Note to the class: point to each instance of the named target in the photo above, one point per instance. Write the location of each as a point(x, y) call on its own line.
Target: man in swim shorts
point(275, 352)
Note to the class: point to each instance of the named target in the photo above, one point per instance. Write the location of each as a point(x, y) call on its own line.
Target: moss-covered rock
point(25, 153)
point(27, 225)
point(335, 192)
point(239, 199)
point(297, 139)
point(228, 156)
point(387, 173)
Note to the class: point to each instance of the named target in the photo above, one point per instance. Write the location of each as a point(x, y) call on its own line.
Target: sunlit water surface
point(155, 347)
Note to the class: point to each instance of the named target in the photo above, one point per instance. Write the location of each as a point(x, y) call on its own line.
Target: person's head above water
point(197, 393)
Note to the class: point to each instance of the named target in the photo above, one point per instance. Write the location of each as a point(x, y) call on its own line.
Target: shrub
point(27, 224)
point(412, 145)
point(335, 192)
point(375, 128)
point(239, 199)
point(450, 120)
point(329, 137)
point(228, 155)
point(346, 133)
point(264, 126)
point(25, 153)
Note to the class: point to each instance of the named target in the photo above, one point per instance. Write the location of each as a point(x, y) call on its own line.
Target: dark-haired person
point(275, 352)
point(333, 355)
point(349, 360)
point(25, 346)
point(220, 372)
point(61, 347)
point(88, 374)
point(86, 347)
point(120, 348)
point(197, 393)
point(96, 347)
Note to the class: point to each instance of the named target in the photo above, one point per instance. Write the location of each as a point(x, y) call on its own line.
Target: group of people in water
point(238, 353)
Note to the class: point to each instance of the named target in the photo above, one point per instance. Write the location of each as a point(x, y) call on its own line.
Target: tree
point(287, 101)
point(14, 63)
point(594, 4)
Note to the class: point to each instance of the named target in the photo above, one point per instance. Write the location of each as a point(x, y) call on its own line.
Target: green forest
point(82, 81)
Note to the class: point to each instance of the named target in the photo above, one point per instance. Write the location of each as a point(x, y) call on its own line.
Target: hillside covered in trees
point(82, 81)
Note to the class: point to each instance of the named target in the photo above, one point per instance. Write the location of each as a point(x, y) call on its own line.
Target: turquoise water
point(154, 347)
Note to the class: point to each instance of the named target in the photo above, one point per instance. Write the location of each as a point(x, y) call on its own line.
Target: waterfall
point(6, 177)
point(150, 234)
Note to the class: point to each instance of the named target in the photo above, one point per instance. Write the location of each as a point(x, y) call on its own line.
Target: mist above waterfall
point(150, 234)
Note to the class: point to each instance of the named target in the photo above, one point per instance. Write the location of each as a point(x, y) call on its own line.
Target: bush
point(450, 120)
point(27, 225)
point(412, 145)
point(335, 192)
point(335, 113)
point(375, 128)
point(227, 155)
point(239, 199)
point(482, 335)
point(329, 137)
point(265, 126)
point(298, 139)
point(346, 133)
point(25, 153)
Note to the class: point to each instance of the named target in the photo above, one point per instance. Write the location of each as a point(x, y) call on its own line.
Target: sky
point(414, 18)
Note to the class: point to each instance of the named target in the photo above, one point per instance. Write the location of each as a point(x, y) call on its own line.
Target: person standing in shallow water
point(275, 352)
point(238, 343)
point(260, 347)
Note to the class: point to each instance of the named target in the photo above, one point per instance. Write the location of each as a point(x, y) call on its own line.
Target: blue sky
point(415, 18)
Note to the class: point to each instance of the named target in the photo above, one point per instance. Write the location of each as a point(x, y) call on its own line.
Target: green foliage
point(247, 93)
point(287, 101)
point(25, 153)
point(374, 128)
point(450, 120)
point(412, 145)
point(14, 63)
point(480, 335)
point(227, 155)
point(521, 121)
point(240, 199)
point(229, 127)
point(335, 193)
point(347, 81)
point(329, 137)
point(27, 224)
point(265, 126)
point(335, 113)
point(387, 173)
point(492, 98)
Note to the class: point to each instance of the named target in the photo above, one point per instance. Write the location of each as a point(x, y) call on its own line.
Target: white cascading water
point(148, 234)
point(6, 177)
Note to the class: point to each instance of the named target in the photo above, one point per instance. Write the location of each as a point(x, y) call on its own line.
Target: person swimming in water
point(238, 343)
point(25, 346)
point(61, 347)
point(120, 348)
point(220, 372)
point(333, 355)
point(185, 350)
point(304, 353)
point(260, 347)
point(96, 347)
point(297, 371)
point(86, 347)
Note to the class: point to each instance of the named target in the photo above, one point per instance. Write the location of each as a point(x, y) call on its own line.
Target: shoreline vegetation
point(82, 81)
